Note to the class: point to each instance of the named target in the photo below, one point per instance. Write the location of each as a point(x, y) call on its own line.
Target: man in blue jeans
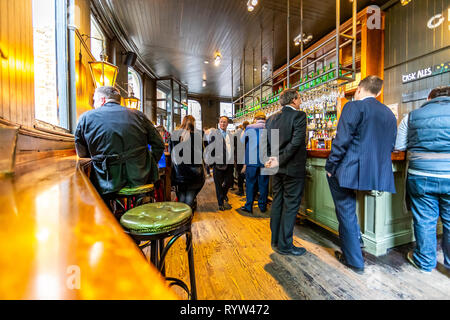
point(425, 133)
point(253, 178)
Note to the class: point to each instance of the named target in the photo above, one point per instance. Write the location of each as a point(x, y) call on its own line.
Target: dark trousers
point(240, 177)
point(288, 193)
point(187, 195)
point(223, 179)
point(254, 181)
point(349, 231)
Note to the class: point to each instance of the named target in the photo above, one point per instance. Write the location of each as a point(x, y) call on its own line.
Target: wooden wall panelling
point(16, 74)
point(4, 45)
point(410, 46)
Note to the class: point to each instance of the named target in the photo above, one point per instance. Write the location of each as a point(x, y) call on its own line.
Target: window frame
point(61, 73)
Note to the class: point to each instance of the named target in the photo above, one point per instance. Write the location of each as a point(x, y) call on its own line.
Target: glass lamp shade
point(103, 73)
point(132, 102)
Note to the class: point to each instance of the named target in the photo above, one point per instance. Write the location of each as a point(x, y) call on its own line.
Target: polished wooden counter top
point(60, 241)
point(323, 153)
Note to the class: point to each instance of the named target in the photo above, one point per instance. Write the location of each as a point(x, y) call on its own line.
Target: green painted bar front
point(384, 220)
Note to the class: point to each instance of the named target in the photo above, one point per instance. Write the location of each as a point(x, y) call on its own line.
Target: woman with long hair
point(186, 148)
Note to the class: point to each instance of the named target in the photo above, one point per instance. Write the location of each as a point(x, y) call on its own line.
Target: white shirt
point(288, 105)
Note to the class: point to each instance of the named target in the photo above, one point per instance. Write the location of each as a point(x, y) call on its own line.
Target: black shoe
point(245, 210)
point(227, 206)
point(225, 198)
point(340, 256)
point(221, 208)
point(294, 251)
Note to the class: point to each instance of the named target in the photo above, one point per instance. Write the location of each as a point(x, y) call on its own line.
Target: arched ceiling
point(175, 37)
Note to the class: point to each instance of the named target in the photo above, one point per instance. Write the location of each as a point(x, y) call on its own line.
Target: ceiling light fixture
point(206, 62)
point(405, 2)
point(217, 59)
point(251, 5)
point(204, 83)
point(302, 38)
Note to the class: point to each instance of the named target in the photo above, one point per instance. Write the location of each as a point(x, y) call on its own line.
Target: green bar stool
point(131, 197)
point(153, 223)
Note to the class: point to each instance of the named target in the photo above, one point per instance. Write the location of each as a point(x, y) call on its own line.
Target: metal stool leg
point(154, 253)
point(161, 248)
point(190, 253)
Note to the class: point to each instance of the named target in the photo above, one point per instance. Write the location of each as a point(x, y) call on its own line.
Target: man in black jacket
point(289, 181)
point(117, 139)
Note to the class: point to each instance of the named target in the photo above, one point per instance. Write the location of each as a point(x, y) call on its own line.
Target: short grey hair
point(110, 93)
point(287, 96)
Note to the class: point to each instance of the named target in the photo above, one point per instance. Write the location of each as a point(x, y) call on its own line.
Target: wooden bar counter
point(60, 241)
point(385, 222)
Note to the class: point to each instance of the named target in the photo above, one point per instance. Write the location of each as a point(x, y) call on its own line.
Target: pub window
point(134, 85)
point(50, 62)
point(161, 96)
point(226, 109)
point(195, 109)
point(97, 39)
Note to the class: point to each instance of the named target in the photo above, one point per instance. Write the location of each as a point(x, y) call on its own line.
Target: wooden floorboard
point(234, 260)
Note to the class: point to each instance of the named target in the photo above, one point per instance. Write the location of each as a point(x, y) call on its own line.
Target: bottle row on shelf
point(321, 139)
point(328, 122)
point(315, 80)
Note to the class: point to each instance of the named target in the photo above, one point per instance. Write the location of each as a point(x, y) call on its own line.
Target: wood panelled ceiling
point(175, 37)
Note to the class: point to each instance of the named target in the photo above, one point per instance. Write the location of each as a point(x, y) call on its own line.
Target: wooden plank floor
point(234, 260)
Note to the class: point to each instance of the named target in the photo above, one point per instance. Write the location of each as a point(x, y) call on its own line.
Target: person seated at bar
point(188, 173)
point(165, 135)
point(117, 140)
point(253, 163)
point(360, 159)
point(425, 134)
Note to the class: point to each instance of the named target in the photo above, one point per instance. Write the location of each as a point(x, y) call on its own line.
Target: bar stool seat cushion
point(136, 190)
point(157, 217)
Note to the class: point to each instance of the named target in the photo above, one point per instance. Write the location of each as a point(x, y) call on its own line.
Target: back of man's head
point(288, 96)
point(439, 92)
point(110, 94)
point(371, 84)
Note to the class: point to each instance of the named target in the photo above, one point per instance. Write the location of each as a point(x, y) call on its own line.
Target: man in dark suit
point(117, 139)
point(289, 181)
point(221, 144)
point(360, 159)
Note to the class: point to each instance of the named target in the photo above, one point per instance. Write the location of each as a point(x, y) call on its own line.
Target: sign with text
point(426, 72)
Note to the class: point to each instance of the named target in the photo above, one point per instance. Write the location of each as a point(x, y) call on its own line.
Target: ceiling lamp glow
point(251, 5)
point(103, 73)
point(217, 59)
point(405, 2)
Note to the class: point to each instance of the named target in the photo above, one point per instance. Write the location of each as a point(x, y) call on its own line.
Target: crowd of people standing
point(360, 160)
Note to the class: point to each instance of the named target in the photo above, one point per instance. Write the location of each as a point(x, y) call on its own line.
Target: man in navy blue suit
point(360, 159)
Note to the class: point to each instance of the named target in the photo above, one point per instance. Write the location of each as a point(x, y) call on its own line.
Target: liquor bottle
point(329, 123)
